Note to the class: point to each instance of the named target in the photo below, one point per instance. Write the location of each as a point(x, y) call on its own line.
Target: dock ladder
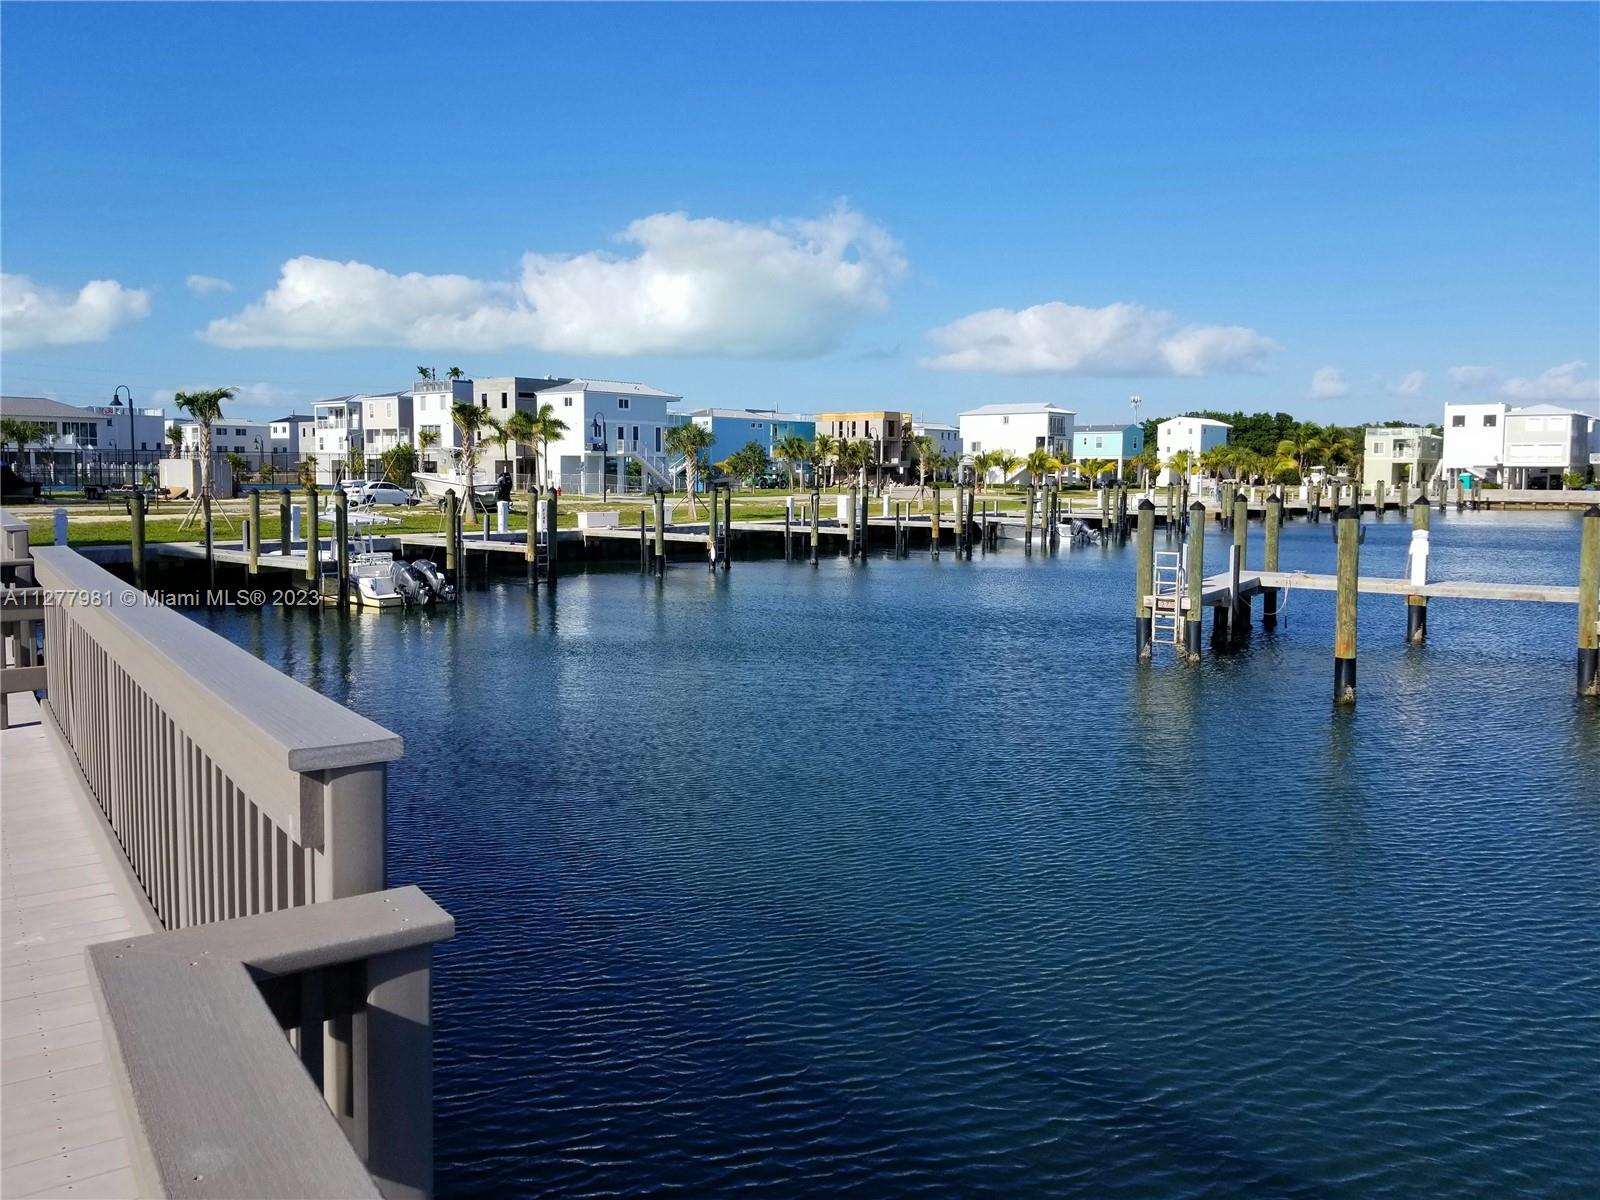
point(1167, 610)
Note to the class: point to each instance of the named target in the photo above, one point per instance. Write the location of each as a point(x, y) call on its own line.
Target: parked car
point(382, 493)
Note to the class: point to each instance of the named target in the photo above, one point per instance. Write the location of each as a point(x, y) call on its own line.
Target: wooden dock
point(64, 889)
point(1217, 590)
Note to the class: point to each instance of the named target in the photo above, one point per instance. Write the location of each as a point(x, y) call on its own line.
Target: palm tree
point(455, 372)
point(926, 453)
point(20, 432)
point(238, 467)
point(1040, 463)
point(520, 427)
point(791, 451)
point(691, 441)
point(398, 462)
point(1008, 464)
point(824, 447)
point(205, 408)
point(425, 372)
point(175, 439)
point(547, 428)
point(477, 427)
point(983, 463)
point(307, 471)
point(426, 441)
point(856, 458)
point(1212, 461)
point(1148, 463)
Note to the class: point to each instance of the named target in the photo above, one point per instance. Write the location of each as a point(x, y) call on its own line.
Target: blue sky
point(1347, 212)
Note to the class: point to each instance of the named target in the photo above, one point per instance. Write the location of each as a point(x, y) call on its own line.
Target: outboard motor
point(433, 579)
point(1082, 535)
point(407, 583)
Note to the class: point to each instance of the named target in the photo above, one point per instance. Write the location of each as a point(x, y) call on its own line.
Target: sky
point(1349, 213)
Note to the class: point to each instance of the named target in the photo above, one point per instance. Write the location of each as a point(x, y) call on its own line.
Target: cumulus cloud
point(204, 285)
point(1328, 384)
point(1411, 384)
point(787, 288)
point(32, 314)
point(1558, 385)
point(1116, 340)
point(255, 397)
point(1469, 377)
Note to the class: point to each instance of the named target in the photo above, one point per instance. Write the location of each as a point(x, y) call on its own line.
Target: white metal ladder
point(1168, 607)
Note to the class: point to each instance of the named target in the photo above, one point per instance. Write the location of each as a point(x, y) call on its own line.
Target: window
point(1377, 447)
point(1458, 422)
point(1005, 420)
point(635, 435)
point(502, 399)
point(1038, 443)
point(622, 402)
point(889, 428)
point(566, 401)
point(483, 398)
point(977, 447)
point(658, 439)
point(852, 429)
point(1490, 420)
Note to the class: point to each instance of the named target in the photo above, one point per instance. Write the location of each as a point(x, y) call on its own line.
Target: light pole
point(116, 403)
point(1133, 403)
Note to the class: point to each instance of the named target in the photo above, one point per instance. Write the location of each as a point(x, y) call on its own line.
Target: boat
point(434, 484)
point(373, 578)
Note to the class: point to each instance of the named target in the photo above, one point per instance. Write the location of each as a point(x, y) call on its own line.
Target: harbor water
point(905, 879)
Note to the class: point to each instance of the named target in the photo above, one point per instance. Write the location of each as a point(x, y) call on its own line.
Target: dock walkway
point(64, 888)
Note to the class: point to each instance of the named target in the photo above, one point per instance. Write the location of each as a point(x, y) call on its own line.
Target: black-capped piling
point(1417, 606)
point(1145, 582)
point(1273, 523)
point(1194, 572)
point(1344, 627)
point(1589, 604)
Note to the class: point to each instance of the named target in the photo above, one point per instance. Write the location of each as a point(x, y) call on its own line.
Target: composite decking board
point(60, 1132)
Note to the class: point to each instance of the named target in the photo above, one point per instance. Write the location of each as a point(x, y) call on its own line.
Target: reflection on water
point(906, 880)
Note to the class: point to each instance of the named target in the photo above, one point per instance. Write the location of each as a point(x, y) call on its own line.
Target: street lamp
point(116, 403)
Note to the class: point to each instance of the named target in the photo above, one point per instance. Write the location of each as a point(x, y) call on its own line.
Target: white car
point(382, 493)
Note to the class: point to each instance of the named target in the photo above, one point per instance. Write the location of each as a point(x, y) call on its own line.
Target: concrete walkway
point(63, 888)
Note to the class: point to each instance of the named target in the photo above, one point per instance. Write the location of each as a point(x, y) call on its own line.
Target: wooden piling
point(661, 533)
point(1194, 577)
point(313, 536)
point(136, 539)
point(551, 542)
point(1274, 521)
point(1145, 582)
point(711, 530)
point(452, 521)
point(341, 537)
point(933, 551)
point(1589, 604)
point(788, 530)
point(644, 543)
point(530, 545)
point(255, 530)
point(1241, 539)
point(1377, 497)
point(816, 518)
point(1417, 606)
point(285, 522)
point(1344, 633)
point(1405, 495)
point(1105, 511)
point(727, 527)
point(1027, 534)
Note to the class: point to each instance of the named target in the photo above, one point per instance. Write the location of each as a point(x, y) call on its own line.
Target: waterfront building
point(386, 421)
point(1194, 434)
point(1017, 429)
point(1544, 442)
point(289, 434)
point(1475, 440)
point(432, 401)
point(337, 428)
point(890, 433)
point(1120, 442)
point(230, 435)
point(946, 438)
point(65, 433)
point(1393, 455)
point(734, 428)
point(610, 424)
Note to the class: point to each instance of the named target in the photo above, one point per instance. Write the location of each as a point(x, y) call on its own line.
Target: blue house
point(1121, 442)
point(733, 428)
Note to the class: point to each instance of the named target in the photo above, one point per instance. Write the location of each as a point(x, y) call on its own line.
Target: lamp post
point(117, 403)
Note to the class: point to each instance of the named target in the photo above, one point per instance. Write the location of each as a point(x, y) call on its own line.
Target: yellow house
point(890, 431)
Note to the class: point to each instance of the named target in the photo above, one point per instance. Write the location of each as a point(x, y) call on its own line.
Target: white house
point(1018, 429)
point(431, 403)
point(1194, 434)
point(609, 424)
point(230, 436)
point(1475, 440)
point(1543, 442)
point(946, 438)
point(290, 434)
point(337, 428)
point(70, 432)
point(386, 421)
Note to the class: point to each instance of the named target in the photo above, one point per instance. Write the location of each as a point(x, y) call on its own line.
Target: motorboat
point(373, 577)
point(434, 485)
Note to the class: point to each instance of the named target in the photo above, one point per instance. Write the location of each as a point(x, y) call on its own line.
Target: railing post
point(397, 1073)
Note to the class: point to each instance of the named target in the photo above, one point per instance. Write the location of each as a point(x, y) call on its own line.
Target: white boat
point(435, 484)
point(373, 577)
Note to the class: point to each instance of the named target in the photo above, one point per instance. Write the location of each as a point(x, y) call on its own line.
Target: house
point(1544, 442)
point(386, 421)
point(733, 428)
point(889, 432)
point(946, 438)
point(1475, 440)
point(288, 435)
point(1017, 429)
point(1193, 434)
point(1401, 454)
point(611, 424)
point(434, 429)
point(96, 432)
point(337, 431)
point(230, 436)
point(1120, 442)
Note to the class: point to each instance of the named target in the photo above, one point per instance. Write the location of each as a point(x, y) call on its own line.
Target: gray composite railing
point(250, 810)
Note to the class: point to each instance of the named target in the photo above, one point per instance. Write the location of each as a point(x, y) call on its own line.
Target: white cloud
point(253, 399)
point(1328, 384)
point(1116, 340)
point(34, 315)
point(1558, 385)
point(1411, 384)
point(788, 288)
point(204, 285)
point(1469, 377)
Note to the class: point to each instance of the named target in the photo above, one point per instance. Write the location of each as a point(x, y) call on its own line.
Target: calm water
point(904, 880)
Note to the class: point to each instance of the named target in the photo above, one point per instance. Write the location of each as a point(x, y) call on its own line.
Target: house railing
point(251, 812)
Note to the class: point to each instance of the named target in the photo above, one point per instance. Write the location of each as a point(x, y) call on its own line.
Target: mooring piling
point(661, 534)
point(1240, 616)
point(1269, 597)
point(285, 523)
point(816, 519)
point(341, 538)
point(136, 542)
point(788, 529)
point(1417, 571)
point(933, 544)
point(313, 534)
point(530, 545)
point(711, 530)
point(1589, 604)
point(452, 522)
point(253, 541)
point(551, 542)
point(1145, 582)
point(644, 544)
point(1027, 534)
point(1344, 630)
point(1194, 572)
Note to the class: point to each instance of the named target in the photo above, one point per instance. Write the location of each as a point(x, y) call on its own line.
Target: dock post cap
point(1592, 511)
point(1147, 503)
point(1349, 513)
point(1197, 507)
point(1422, 500)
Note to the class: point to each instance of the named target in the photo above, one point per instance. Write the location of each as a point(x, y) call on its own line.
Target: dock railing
point(250, 810)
